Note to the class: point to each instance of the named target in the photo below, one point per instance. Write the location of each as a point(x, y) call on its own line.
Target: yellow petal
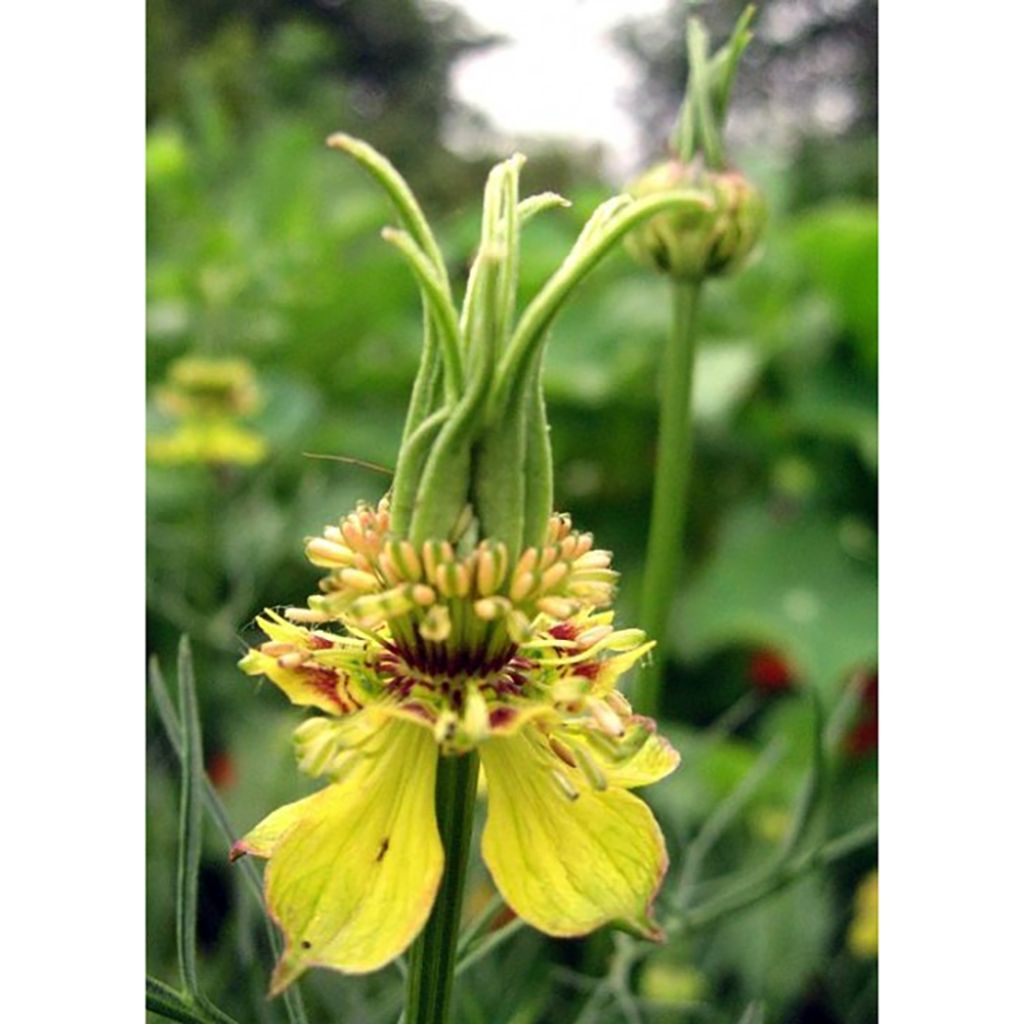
point(641, 757)
point(308, 685)
point(354, 868)
point(261, 840)
point(566, 857)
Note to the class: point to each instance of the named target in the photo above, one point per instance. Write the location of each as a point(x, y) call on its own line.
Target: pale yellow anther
point(306, 615)
point(607, 720)
point(333, 534)
point(557, 607)
point(589, 637)
point(548, 557)
point(389, 570)
point(423, 595)
point(463, 579)
point(364, 582)
point(292, 660)
point(522, 584)
point(486, 608)
point(353, 535)
point(593, 560)
point(567, 789)
point(486, 572)
point(410, 561)
point(446, 580)
point(327, 554)
point(275, 648)
point(551, 577)
point(561, 751)
point(557, 528)
point(527, 562)
point(431, 560)
point(363, 564)
point(593, 591)
point(590, 769)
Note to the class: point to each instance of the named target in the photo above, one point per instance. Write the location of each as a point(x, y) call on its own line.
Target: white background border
point(952, 718)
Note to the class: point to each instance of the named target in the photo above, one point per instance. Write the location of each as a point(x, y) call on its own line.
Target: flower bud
point(695, 244)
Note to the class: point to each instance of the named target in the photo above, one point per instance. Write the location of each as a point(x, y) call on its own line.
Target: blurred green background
point(263, 244)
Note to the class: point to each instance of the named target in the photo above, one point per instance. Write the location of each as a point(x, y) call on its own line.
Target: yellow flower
point(207, 395)
point(207, 441)
point(415, 652)
point(209, 386)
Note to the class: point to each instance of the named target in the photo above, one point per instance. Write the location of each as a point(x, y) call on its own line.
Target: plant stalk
point(432, 957)
point(671, 489)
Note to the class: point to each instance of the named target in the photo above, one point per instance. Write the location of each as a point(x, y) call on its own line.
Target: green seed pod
point(692, 244)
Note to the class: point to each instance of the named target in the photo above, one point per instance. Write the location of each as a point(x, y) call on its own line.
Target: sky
point(559, 75)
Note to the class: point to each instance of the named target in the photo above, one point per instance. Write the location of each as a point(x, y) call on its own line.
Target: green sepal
point(539, 475)
point(499, 480)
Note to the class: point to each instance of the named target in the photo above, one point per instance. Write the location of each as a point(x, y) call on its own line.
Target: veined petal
point(639, 758)
point(295, 672)
point(567, 859)
point(354, 868)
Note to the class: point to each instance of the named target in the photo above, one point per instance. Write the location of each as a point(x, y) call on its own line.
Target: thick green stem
point(671, 487)
point(432, 958)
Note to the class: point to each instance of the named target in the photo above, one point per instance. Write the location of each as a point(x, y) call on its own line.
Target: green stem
point(432, 958)
point(671, 487)
point(779, 878)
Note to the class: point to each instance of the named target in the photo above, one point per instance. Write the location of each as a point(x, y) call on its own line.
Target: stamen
point(365, 582)
point(275, 648)
point(306, 615)
point(568, 790)
point(606, 719)
point(590, 637)
point(562, 751)
point(556, 607)
point(327, 554)
point(551, 577)
point(590, 769)
point(522, 585)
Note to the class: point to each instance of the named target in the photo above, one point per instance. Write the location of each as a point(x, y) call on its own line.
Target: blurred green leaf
point(754, 1014)
point(162, 1000)
point(171, 723)
point(723, 377)
point(190, 820)
point(839, 245)
point(776, 945)
point(785, 583)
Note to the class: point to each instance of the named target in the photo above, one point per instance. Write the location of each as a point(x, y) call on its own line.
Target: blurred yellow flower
point(672, 984)
point(862, 937)
point(442, 652)
point(214, 442)
point(208, 396)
